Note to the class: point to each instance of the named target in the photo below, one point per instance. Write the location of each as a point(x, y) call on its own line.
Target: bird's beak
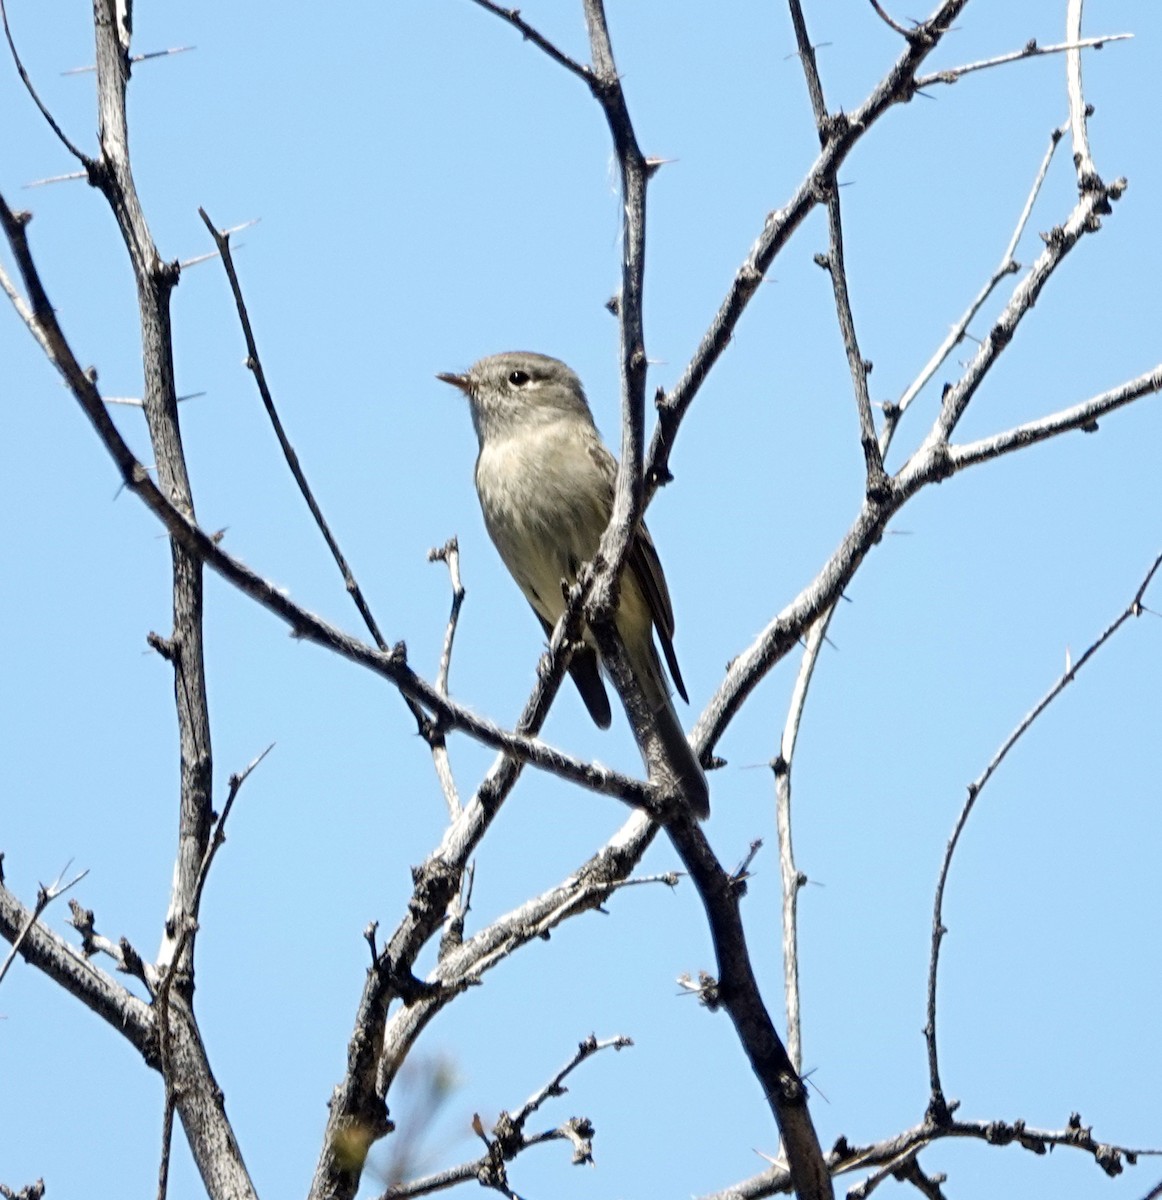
point(457, 381)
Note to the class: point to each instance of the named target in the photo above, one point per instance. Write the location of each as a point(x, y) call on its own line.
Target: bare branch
point(69, 968)
point(792, 878)
point(938, 1108)
point(902, 30)
point(235, 786)
point(1084, 219)
point(843, 133)
point(1082, 416)
point(1087, 176)
point(62, 137)
point(836, 266)
point(155, 280)
point(845, 1158)
point(555, 1086)
point(1029, 50)
point(254, 365)
point(45, 895)
point(465, 962)
point(1007, 266)
point(509, 1139)
point(449, 553)
point(738, 993)
point(513, 17)
point(202, 546)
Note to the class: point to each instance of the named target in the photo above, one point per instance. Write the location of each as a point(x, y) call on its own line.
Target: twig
point(463, 963)
point(836, 266)
point(254, 364)
point(137, 402)
point(45, 895)
point(68, 967)
point(519, 746)
point(219, 835)
point(554, 1088)
point(1082, 416)
point(792, 878)
point(62, 137)
point(1029, 50)
point(1007, 266)
point(1058, 243)
point(845, 1158)
point(165, 989)
point(862, 1190)
point(1087, 176)
point(902, 30)
point(938, 1107)
point(843, 133)
point(449, 554)
point(513, 17)
point(166, 1141)
point(508, 1138)
point(121, 951)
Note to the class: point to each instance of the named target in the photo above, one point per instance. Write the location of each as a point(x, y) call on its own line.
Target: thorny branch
point(845, 1158)
point(254, 365)
point(509, 1138)
point(45, 895)
point(438, 882)
point(939, 1109)
point(391, 664)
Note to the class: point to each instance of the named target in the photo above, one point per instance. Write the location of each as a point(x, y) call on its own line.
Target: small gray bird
point(545, 483)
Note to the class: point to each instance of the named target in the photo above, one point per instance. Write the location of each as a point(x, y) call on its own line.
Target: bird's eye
point(519, 378)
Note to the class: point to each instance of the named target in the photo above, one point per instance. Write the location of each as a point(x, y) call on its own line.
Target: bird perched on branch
point(546, 482)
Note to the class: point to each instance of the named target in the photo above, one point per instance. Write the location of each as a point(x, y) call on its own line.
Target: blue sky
point(431, 189)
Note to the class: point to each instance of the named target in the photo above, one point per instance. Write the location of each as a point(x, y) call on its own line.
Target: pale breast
point(546, 504)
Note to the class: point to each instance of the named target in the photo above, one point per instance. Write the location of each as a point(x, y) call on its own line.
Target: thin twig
point(1029, 50)
point(68, 966)
point(843, 135)
point(508, 1138)
point(836, 266)
point(1087, 176)
point(538, 39)
point(165, 989)
point(845, 1158)
point(219, 835)
point(254, 364)
point(519, 746)
point(555, 1086)
point(449, 554)
point(1007, 266)
point(902, 30)
point(45, 895)
point(938, 1106)
point(1083, 416)
point(792, 878)
point(137, 402)
point(862, 1190)
point(1084, 219)
point(62, 137)
point(166, 1142)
